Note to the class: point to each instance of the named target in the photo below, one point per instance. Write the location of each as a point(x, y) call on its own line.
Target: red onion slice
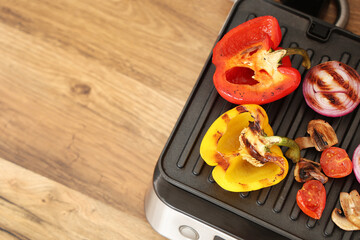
point(356, 163)
point(332, 89)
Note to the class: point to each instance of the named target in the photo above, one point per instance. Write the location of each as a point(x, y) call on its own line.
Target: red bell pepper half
point(248, 63)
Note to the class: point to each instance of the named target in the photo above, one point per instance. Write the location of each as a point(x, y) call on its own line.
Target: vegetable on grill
point(250, 68)
point(306, 170)
point(332, 89)
point(349, 218)
point(322, 136)
point(311, 198)
point(356, 163)
point(241, 146)
point(335, 162)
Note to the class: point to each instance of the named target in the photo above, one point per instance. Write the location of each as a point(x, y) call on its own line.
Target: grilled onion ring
point(332, 89)
point(356, 163)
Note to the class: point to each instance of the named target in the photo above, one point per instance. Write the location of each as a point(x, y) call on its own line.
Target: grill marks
point(326, 89)
point(352, 72)
point(354, 75)
point(334, 101)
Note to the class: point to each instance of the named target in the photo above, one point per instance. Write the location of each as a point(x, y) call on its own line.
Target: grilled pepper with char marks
point(248, 70)
point(241, 146)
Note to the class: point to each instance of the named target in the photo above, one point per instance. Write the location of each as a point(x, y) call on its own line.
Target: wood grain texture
point(89, 93)
point(44, 209)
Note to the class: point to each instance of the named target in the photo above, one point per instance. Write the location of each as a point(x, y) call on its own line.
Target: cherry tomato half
point(335, 162)
point(311, 198)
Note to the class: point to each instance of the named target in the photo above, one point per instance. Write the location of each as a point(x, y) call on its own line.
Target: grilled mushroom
point(350, 203)
point(322, 136)
point(306, 170)
point(342, 222)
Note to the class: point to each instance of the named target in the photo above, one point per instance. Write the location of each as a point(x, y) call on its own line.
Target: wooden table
point(89, 93)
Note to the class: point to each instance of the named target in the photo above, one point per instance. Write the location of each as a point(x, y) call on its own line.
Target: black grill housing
point(273, 208)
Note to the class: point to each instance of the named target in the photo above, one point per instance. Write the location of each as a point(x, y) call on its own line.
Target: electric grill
point(184, 202)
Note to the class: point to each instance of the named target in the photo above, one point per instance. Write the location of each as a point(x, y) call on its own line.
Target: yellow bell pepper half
point(234, 169)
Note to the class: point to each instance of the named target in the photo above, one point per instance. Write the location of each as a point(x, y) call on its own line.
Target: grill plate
point(274, 207)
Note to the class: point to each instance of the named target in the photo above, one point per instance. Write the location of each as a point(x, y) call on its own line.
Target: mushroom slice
point(322, 136)
point(304, 142)
point(306, 170)
point(350, 203)
point(342, 222)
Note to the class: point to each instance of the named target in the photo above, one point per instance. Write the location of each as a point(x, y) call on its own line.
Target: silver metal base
point(176, 225)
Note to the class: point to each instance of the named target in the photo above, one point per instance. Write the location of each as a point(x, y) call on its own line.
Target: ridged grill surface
point(274, 207)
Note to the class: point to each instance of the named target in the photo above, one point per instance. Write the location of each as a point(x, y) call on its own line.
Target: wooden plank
point(34, 207)
point(90, 92)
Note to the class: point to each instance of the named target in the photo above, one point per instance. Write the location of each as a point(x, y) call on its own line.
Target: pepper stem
point(293, 152)
point(281, 53)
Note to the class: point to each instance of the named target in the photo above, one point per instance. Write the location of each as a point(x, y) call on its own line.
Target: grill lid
point(273, 207)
